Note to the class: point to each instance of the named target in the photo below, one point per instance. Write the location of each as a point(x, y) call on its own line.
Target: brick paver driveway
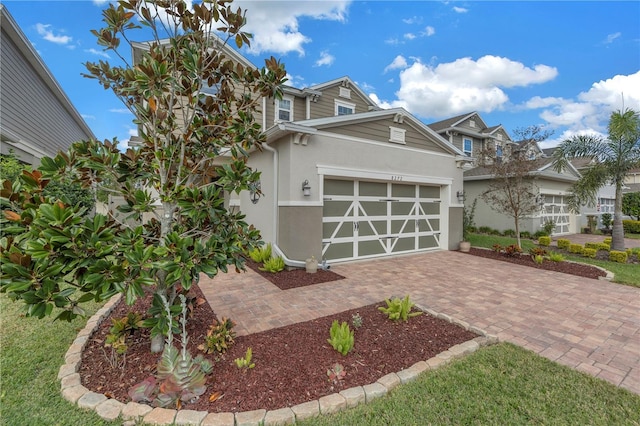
point(590, 325)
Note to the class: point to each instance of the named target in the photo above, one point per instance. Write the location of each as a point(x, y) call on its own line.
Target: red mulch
point(572, 268)
point(294, 278)
point(291, 362)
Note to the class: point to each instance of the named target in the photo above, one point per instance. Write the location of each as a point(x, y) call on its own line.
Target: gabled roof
point(439, 126)
point(312, 126)
point(348, 83)
point(540, 167)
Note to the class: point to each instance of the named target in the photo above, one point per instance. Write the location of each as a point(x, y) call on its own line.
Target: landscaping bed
point(291, 362)
point(294, 278)
point(572, 268)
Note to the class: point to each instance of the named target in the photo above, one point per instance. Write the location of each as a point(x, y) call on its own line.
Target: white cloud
point(44, 31)
point(460, 9)
point(100, 2)
point(392, 41)
point(381, 103)
point(409, 36)
point(274, 25)
point(413, 20)
point(123, 144)
point(325, 59)
point(120, 110)
point(429, 31)
point(98, 52)
point(591, 109)
point(611, 37)
point(464, 84)
point(399, 62)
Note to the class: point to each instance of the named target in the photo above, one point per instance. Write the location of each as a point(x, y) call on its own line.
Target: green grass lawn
point(498, 385)
point(628, 274)
point(502, 384)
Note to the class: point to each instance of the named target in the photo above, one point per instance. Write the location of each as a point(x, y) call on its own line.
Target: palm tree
point(614, 155)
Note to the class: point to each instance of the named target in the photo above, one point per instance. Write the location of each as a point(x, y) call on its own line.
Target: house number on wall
point(393, 177)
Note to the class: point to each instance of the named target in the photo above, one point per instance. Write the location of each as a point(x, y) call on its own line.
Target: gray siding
point(325, 106)
point(379, 131)
point(30, 111)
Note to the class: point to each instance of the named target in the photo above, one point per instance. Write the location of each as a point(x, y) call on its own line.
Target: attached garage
point(555, 209)
point(363, 219)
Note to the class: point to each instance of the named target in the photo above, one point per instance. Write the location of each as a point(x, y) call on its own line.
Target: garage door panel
point(399, 190)
point(402, 208)
point(380, 218)
point(371, 248)
point(372, 189)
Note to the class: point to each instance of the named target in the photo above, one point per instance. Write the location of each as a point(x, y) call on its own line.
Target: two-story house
point(342, 179)
point(470, 133)
point(37, 117)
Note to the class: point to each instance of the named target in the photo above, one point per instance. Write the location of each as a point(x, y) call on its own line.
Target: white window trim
point(277, 109)
point(397, 135)
point(344, 104)
point(469, 153)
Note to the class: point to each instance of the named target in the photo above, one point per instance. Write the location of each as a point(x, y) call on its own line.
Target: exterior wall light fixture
point(460, 195)
point(255, 192)
point(306, 188)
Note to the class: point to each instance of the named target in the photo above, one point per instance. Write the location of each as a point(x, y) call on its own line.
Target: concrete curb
point(110, 409)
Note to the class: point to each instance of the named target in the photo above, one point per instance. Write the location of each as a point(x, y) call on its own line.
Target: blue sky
point(563, 65)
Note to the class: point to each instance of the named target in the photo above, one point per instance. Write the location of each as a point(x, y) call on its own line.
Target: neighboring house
point(632, 181)
point(36, 117)
point(342, 179)
point(470, 133)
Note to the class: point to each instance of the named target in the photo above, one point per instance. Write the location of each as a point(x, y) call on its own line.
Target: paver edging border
point(110, 409)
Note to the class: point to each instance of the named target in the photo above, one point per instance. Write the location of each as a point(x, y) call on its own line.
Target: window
point(345, 108)
point(467, 146)
point(499, 152)
point(396, 135)
point(284, 109)
point(606, 205)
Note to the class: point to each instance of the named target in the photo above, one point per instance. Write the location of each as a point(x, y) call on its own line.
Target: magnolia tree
point(173, 225)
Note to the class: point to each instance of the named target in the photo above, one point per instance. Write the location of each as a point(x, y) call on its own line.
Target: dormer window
point(284, 109)
point(344, 108)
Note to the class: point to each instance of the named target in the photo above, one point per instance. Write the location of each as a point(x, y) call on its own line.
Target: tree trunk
point(517, 223)
point(617, 236)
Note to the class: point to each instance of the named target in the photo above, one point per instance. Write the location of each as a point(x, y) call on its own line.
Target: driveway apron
point(590, 325)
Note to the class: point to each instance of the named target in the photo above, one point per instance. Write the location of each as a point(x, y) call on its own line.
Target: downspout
point(276, 222)
point(274, 245)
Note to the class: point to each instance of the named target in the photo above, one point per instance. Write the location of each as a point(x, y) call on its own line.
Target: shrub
point(219, 337)
point(273, 265)
point(544, 241)
point(484, 230)
point(549, 226)
point(495, 232)
point(525, 234)
point(537, 251)
point(538, 234)
point(356, 320)
point(604, 246)
point(341, 337)
point(607, 240)
point(589, 252)
point(497, 248)
point(606, 219)
point(618, 256)
point(399, 309)
point(591, 245)
point(509, 233)
point(556, 257)
point(631, 226)
point(245, 362)
point(538, 259)
point(513, 250)
point(563, 243)
point(576, 248)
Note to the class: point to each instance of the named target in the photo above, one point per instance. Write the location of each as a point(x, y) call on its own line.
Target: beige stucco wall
point(455, 227)
point(300, 217)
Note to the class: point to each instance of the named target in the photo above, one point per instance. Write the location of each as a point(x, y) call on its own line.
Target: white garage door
point(556, 210)
point(364, 219)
